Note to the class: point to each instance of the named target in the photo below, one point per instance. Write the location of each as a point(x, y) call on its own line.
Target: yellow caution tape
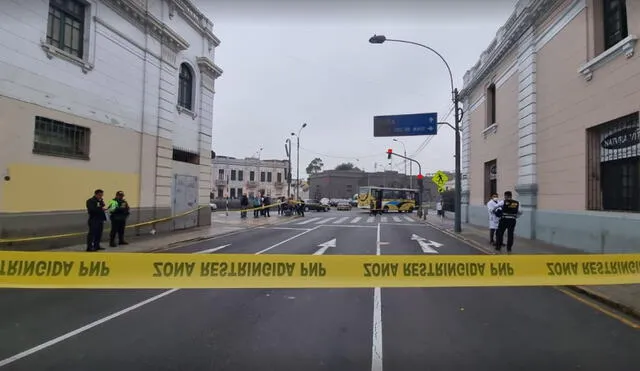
point(153, 271)
point(75, 234)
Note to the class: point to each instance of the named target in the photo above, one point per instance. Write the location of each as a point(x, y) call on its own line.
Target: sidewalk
point(623, 297)
point(221, 224)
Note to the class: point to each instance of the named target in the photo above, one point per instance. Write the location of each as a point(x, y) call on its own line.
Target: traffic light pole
point(420, 180)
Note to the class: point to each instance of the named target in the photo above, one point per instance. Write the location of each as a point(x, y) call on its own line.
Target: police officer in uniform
point(119, 212)
point(508, 210)
point(96, 210)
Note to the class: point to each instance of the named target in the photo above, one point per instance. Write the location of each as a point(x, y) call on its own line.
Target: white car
point(213, 206)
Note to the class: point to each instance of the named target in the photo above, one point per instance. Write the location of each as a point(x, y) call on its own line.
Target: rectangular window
point(252, 176)
point(262, 176)
point(491, 105)
point(240, 175)
point(65, 26)
point(490, 179)
point(233, 175)
point(279, 177)
point(269, 177)
point(613, 165)
point(221, 174)
point(57, 138)
point(220, 192)
point(185, 156)
point(232, 193)
point(239, 193)
point(614, 17)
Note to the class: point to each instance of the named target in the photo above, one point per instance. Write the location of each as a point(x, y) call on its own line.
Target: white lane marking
point(384, 219)
point(396, 219)
point(308, 221)
point(356, 219)
point(207, 251)
point(287, 229)
point(371, 219)
point(287, 240)
point(376, 347)
point(347, 226)
point(93, 324)
point(326, 220)
point(341, 220)
point(324, 246)
point(409, 219)
point(82, 329)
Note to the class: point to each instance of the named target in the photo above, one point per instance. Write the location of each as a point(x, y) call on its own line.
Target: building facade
point(552, 114)
point(109, 94)
point(233, 177)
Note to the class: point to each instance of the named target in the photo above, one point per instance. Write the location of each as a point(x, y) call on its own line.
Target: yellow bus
point(388, 199)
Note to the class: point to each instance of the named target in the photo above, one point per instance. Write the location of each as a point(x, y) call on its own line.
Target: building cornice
point(190, 12)
point(526, 14)
point(136, 14)
point(207, 66)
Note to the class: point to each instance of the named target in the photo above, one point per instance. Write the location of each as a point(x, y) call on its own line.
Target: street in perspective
point(480, 217)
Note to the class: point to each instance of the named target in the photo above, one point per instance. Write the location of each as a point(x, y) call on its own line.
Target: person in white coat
point(493, 219)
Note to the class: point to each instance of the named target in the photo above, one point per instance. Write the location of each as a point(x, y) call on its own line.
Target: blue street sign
point(405, 125)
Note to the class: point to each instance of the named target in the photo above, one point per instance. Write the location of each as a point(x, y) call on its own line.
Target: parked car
point(315, 205)
point(213, 206)
point(344, 205)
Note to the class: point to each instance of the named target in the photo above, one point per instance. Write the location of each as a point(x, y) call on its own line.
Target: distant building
point(346, 183)
point(551, 114)
point(232, 177)
point(110, 94)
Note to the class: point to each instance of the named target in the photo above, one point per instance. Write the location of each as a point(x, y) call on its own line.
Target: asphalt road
point(490, 329)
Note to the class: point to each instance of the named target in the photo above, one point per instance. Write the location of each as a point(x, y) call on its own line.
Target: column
point(527, 187)
point(208, 73)
point(464, 159)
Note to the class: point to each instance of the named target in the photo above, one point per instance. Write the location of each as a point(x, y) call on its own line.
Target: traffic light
point(389, 153)
point(420, 178)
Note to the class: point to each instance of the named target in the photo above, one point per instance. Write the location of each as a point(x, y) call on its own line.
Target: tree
point(315, 166)
point(347, 166)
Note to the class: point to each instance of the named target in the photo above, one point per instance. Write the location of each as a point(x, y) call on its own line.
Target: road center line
point(376, 347)
point(100, 321)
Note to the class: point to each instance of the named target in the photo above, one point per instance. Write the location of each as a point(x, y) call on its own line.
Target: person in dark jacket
point(96, 210)
point(244, 204)
point(119, 212)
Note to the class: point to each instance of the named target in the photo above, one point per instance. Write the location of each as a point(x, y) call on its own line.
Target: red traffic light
point(420, 176)
point(390, 151)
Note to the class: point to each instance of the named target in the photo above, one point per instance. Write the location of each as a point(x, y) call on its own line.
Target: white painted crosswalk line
point(341, 220)
point(356, 219)
point(384, 219)
point(409, 219)
point(396, 219)
point(371, 219)
point(325, 220)
point(308, 221)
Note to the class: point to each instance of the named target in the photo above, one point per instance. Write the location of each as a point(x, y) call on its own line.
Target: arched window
point(185, 91)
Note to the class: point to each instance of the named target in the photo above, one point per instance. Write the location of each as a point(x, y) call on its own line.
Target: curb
point(624, 308)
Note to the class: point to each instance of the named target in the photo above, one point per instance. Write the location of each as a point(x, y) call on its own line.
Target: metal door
point(185, 198)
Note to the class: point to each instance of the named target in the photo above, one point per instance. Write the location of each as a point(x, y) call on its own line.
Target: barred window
point(57, 138)
point(65, 27)
point(613, 165)
point(182, 155)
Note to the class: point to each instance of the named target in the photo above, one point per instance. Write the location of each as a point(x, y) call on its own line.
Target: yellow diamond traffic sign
point(440, 179)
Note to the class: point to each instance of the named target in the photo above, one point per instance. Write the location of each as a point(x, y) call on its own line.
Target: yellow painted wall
point(52, 188)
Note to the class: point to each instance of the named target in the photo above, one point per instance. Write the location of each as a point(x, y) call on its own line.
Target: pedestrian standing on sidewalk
point(267, 203)
point(96, 210)
point(119, 212)
point(509, 211)
point(244, 204)
point(256, 207)
point(439, 209)
point(493, 219)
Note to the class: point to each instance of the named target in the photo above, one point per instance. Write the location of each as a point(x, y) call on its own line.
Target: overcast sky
point(288, 62)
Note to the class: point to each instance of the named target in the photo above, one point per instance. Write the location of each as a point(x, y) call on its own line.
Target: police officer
point(119, 212)
point(97, 217)
point(508, 210)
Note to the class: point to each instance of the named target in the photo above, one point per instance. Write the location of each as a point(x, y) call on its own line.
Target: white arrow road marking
point(325, 246)
point(427, 247)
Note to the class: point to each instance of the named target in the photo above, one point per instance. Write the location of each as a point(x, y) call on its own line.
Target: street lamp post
point(404, 148)
point(287, 148)
point(298, 160)
point(379, 39)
